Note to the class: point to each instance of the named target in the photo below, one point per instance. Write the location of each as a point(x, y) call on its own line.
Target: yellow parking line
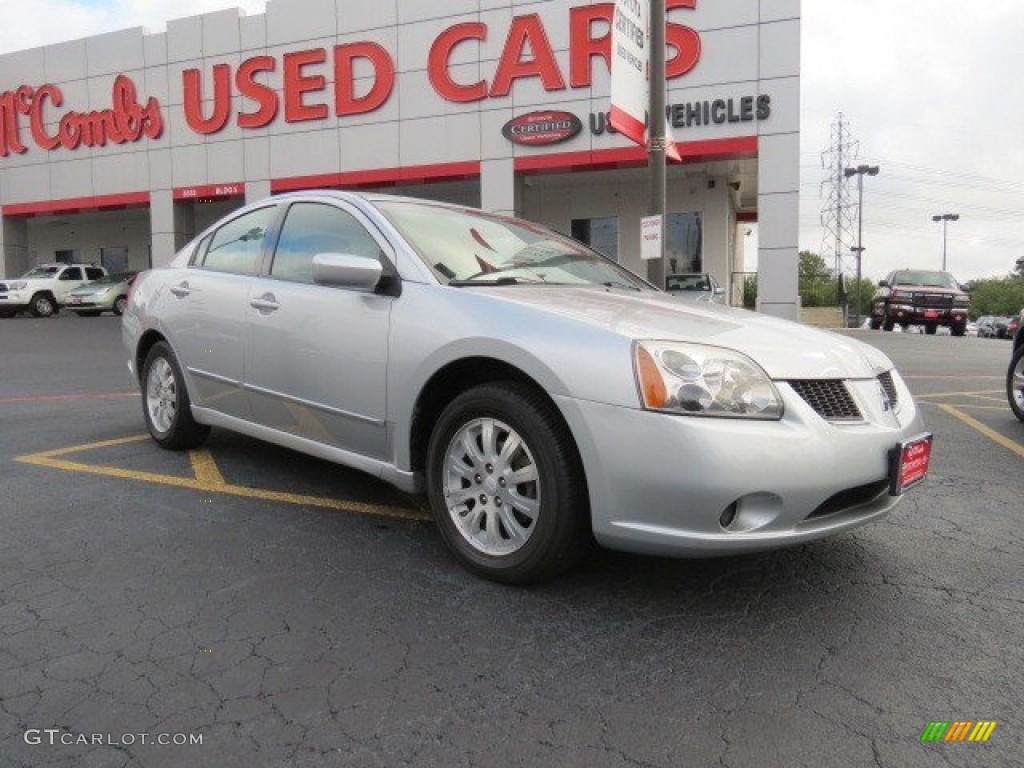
point(979, 393)
point(205, 468)
point(988, 432)
point(207, 478)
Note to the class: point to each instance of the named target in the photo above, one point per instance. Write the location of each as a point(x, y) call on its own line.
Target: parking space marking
point(982, 393)
point(206, 477)
point(987, 431)
point(60, 398)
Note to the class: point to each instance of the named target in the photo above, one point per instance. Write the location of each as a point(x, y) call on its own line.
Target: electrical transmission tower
point(839, 210)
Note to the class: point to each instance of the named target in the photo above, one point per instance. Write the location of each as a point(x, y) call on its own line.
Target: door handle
point(265, 304)
point(181, 290)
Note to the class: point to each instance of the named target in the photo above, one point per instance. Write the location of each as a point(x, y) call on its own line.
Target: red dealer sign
point(294, 84)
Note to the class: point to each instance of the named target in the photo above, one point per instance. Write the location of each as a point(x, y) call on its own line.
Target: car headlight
point(17, 285)
point(696, 380)
point(962, 301)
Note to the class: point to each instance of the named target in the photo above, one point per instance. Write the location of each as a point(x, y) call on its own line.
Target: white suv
point(43, 289)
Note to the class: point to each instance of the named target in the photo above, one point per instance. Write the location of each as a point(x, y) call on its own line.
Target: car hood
point(785, 350)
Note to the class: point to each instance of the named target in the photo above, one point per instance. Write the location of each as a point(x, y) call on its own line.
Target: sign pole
point(656, 131)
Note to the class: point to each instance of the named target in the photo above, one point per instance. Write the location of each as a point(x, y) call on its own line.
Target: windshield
point(110, 279)
point(926, 279)
point(467, 246)
point(42, 272)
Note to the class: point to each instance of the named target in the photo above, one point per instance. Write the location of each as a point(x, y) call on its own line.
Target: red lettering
point(683, 43)
point(263, 95)
point(583, 46)
point(345, 100)
point(296, 85)
point(35, 116)
point(527, 30)
point(440, 54)
point(193, 96)
point(684, 40)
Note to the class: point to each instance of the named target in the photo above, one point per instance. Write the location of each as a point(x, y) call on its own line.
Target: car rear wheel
point(888, 324)
point(930, 329)
point(958, 330)
point(1015, 383)
point(165, 402)
point(43, 306)
point(119, 304)
point(875, 323)
point(506, 486)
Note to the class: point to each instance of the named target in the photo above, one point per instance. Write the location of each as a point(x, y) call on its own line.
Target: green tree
point(817, 284)
point(997, 296)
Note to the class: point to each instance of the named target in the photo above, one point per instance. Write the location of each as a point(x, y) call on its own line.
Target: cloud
point(30, 25)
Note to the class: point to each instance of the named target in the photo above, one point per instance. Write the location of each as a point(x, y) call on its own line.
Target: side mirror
point(883, 283)
point(965, 289)
point(346, 270)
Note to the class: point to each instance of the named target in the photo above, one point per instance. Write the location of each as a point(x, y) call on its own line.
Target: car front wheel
point(506, 486)
point(119, 304)
point(165, 402)
point(43, 306)
point(1015, 383)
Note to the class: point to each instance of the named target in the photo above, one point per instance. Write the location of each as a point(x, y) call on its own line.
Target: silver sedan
point(540, 395)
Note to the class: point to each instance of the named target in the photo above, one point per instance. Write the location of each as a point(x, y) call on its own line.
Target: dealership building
point(119, 148)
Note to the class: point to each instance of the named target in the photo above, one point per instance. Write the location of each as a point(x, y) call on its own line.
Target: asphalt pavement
point(284, 611)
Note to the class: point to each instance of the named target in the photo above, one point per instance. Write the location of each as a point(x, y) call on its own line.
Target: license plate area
point(908, 463)
point(931, 313)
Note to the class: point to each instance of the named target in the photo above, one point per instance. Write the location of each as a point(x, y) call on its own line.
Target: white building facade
point(119, 148)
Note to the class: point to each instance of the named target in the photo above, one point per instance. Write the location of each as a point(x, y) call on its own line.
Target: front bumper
point(15, 300)
point(907, 313)
point(92, 303)
point(663, 484)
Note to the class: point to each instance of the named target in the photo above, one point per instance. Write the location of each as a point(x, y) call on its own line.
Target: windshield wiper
point(507, 280)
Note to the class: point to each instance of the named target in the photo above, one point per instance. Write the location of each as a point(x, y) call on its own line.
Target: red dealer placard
point(210, 191)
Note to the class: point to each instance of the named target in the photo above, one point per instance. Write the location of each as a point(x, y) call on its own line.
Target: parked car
point(108, 294)
point(1001, 328)
point(541, 395)
point(1015, 375)
point(43, 289)
point(1012, 326)
point(695, 286)
point(986, 327)
point(918, 296)
point(972, 328)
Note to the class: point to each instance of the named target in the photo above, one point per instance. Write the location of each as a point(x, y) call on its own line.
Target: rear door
point(316, 356)
point(205, 310)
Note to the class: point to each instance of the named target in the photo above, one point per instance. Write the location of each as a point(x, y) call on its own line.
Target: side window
point(93, 273)
point(200, 251)
point(238, 245)
point(71, 273)
point(313, 228)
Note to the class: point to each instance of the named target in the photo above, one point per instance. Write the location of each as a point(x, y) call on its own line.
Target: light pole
point(859, 171)
point(945, 218)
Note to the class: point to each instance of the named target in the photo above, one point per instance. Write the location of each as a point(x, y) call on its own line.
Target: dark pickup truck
point(920, 297)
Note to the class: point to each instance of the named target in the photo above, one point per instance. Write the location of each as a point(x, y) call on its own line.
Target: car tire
point(931, 328)
point(875, 323)
point(1015, 383)
point(165, 402)
point(511, 532)
point(888, 324)
point(119, 305)
point(958, 330)
point(43, 306)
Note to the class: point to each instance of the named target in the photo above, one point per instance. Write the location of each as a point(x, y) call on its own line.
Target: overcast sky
point(931, 89)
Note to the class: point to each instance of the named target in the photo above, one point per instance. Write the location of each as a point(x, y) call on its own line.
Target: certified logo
point(537, 129)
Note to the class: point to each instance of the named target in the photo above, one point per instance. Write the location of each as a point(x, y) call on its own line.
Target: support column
point(14, 255)
point(498, 187)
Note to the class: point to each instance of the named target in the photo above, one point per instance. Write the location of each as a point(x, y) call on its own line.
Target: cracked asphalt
point(290, 635)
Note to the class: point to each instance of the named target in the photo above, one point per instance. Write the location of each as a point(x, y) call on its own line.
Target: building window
point(601, 234)
point(684, 238)
point(114, 259)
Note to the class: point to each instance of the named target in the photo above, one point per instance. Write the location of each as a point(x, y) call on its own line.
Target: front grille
point(940, 300)
point(829, 398)
point(890, 388)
